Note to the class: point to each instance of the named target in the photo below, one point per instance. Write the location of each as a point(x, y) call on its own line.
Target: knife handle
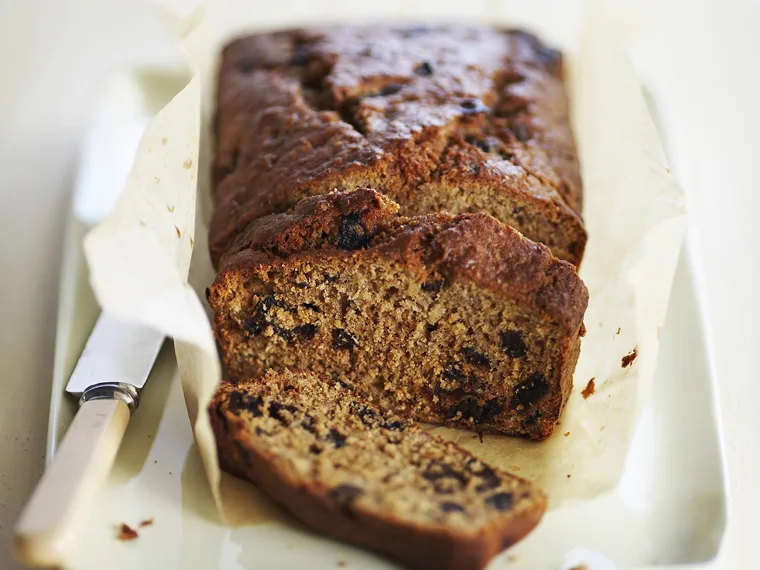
point(67, 487)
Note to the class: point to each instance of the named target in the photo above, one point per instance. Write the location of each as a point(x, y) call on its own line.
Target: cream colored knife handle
point(80, 466)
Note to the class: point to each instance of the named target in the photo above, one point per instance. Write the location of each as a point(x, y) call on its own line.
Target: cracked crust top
point(437, 117)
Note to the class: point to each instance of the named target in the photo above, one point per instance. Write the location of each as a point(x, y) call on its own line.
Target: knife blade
point(115, 362)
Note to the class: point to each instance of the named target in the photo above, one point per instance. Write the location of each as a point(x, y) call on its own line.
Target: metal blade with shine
point(117, 351)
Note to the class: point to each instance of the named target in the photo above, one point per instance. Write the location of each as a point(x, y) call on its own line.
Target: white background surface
point(701, 64)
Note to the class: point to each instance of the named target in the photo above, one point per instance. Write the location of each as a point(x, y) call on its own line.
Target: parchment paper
point(142, 270)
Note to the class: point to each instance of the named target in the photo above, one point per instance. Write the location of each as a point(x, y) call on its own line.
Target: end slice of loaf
point(455, 320)
point(354, 473)
point(455, 118)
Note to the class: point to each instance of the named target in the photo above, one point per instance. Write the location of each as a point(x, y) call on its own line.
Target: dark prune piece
point(432, 286)
point(314, 449)
point(513, 344)
point(472, 356)
point(445, 479)
point(395, 425)
point(471, 409)
point(276, 409)
point(489, 479)
point(344, 495)
point(284, 334)
point(532, 419)
point(309, 423)
point(352, 233)
point(487, 145)
point(336, 438)
point(450, 507)
point(243, 453)
point(473, 106)
point(300, 55)
point(368, 416)
point(259, 321)
point(240, 401)
point(424, 69)
point(530, 391)
point(371, 418)
point(454, 372)
point(306, 332)
point(500, 501)
point(343, 339)
point(221, 416)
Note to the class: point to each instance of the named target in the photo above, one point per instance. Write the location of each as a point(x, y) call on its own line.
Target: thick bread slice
point(352, 472)
point(455, 320)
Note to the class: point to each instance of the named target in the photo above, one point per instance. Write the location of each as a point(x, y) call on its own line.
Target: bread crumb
point(630, 357)
point(579, 567)
point(568, 475)
point(567, 433)
point(589, 389)
point(146, 522)
point(342, 563)
point(618, 331)
point(512, 558)
point(515, 468)
point(179, 233)
point(170, 208)
point(188, 164)
point(126, 532)
point(164, 141)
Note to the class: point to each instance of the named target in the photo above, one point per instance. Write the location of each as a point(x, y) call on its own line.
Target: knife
point(111, 371)
point(113, 367)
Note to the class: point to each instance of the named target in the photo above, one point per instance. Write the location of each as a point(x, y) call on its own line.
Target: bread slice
point(441, 117)
point(455, 320)
point(352, 472)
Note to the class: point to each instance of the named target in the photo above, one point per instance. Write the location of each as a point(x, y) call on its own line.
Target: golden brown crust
point(248, 448)
point(454, 118)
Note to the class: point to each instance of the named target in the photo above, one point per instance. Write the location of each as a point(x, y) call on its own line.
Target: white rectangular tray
point(669, 508)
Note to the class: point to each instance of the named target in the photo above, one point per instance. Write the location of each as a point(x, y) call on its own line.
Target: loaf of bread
point(449, 319)
point(437, 118)
point(355, 473)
